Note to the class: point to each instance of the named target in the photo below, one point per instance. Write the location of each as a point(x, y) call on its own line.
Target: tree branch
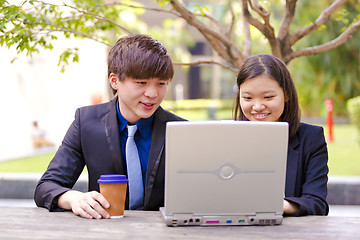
point(323, 18)
point(101, 18)
point(177, 14)
point(207, 62)
point(287, 19)
point(98, 17)
point(141, 7)
point(266, 29)
point(247, 33)
point(64, 30)
point(228, 34)
point(191, 19)
point(164, 11)
point(79, 34)
point(326, 46)
point(265, 15)
point(222, 45)
point(253, 21)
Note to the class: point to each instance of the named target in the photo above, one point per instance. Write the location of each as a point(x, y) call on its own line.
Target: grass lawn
point(344, 152)
point(344, 155)
point(33, 164)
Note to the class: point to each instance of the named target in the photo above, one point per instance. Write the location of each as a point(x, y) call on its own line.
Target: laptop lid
point(225, 172)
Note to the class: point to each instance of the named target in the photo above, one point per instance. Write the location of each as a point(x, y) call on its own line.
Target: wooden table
point(38, 223)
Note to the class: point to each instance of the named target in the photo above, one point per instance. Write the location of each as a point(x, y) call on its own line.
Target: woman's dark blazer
point(93, 140)
point(306, 175)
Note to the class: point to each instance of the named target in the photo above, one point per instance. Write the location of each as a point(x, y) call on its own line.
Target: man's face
point(139, 98)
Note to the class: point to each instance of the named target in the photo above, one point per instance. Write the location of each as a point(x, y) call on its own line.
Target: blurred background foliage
point(33, 25)
point(334, 74)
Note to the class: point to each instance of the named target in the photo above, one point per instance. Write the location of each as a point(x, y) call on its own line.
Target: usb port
point(213, 221)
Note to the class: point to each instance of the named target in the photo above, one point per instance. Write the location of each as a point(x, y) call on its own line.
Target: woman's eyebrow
point(267, 91)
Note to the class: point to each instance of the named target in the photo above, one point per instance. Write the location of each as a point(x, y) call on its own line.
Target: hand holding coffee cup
point(113, 187)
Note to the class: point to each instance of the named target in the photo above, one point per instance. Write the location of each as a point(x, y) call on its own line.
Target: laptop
point(224, 173)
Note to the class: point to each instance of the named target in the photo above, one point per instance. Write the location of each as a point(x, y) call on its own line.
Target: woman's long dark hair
point(273, 67)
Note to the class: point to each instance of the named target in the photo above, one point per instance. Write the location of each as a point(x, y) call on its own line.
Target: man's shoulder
point(166, 115)
point(96, 110)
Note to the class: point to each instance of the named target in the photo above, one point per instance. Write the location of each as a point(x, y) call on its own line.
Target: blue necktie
point(136, 187)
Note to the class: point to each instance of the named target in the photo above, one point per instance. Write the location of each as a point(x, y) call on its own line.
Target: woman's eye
point(141, 82)
point(269, 97)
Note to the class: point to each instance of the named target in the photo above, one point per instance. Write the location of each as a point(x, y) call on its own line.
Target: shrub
point(353, 107)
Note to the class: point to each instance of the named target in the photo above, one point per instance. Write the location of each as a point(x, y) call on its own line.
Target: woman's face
point(262, 99)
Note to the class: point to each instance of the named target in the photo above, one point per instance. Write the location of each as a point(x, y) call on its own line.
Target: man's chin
point(147, 114)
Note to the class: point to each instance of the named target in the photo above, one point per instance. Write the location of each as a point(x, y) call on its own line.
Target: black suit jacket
point(306, 175)
point(93, 140)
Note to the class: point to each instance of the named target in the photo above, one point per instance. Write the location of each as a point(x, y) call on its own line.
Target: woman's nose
point(258, 106)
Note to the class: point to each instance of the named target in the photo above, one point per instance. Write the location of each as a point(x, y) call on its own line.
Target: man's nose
point(151, 92)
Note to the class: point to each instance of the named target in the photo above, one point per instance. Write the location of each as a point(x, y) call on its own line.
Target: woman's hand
point(290, 207)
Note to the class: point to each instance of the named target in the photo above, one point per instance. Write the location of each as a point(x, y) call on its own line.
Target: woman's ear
point(113, 80)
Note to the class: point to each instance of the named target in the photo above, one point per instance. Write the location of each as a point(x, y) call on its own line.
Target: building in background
point(33, 89)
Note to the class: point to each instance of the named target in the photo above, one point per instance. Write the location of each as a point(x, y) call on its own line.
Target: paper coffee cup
point(113, 188)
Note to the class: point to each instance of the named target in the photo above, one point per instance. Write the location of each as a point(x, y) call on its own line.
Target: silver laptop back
point(225, 173)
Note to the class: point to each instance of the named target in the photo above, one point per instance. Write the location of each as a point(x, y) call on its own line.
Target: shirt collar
point(144, 125)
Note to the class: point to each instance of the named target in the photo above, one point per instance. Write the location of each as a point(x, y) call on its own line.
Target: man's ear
point(113, 80)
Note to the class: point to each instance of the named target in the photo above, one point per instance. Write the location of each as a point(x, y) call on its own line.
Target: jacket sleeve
point(63, 170)
point(314, 175)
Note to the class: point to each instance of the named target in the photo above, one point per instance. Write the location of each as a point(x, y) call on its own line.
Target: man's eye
point(162, 83)
point(141, 82)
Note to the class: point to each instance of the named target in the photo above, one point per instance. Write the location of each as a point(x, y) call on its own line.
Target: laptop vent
point(267, 221)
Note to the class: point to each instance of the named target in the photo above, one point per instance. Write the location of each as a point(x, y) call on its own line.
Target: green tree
point(333, 74)
point(32, 24)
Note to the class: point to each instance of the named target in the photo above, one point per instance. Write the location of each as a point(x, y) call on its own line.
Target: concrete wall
point(341, 190)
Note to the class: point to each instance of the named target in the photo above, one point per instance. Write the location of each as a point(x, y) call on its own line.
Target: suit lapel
point(113, 136)
point(156, 150)
point(292, 166)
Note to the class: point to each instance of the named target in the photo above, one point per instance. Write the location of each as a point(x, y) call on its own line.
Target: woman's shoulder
point(307, 126)
point(306, 129)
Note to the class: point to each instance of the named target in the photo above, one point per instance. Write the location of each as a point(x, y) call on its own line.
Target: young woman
point(266, 92)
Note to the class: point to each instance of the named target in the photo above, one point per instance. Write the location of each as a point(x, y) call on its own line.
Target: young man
point(139, 70)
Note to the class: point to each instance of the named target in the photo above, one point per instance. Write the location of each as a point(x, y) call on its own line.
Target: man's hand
point(88, 205)
point(290, 207)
